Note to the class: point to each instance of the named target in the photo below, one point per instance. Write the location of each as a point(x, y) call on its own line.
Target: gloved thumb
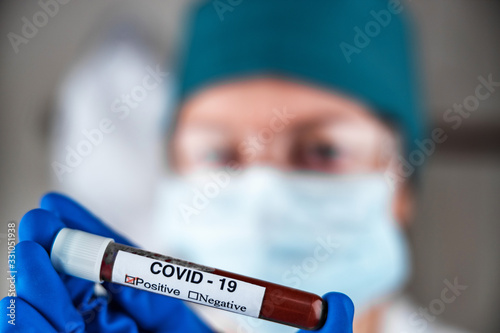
point(77, 217)
point(340, 314)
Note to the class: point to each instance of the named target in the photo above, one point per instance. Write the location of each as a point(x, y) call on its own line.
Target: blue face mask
point(318, 233)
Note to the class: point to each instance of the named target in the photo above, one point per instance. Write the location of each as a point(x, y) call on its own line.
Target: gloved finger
point(19, 317)
point(38, 284)
point(340, 314)
point(77, 217)
point(40, 226)
point(54, 297)
point(158, 306)
point(155, 308)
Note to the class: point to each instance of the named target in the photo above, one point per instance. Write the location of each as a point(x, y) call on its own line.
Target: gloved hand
point(51, 302)
point(48, 301)
point(340, 314)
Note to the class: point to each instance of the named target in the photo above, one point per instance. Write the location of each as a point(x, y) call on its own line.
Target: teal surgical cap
point(357, 48)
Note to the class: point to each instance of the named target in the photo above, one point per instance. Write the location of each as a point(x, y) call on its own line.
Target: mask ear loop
point(402, 205)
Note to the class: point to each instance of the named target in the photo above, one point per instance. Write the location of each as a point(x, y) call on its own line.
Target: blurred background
point(456, 233)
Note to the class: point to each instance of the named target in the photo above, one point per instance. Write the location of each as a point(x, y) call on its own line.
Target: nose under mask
point(314, 232)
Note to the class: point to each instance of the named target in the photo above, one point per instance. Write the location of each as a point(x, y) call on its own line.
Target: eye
point(318, 156)
point(322, 151)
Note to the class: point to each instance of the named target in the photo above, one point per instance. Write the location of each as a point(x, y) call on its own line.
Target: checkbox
point(129, 279)
point(193, 295)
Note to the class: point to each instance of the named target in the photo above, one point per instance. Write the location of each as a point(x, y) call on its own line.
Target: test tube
point(98, 259)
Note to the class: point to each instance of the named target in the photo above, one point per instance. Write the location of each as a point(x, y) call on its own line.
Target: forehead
point(248, 106)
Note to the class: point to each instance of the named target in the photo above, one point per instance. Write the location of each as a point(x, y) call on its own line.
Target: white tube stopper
point(79, 253)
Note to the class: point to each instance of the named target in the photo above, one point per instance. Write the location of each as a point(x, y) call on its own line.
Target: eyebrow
point(318, 121)
point(207, 125)
point(210, 125)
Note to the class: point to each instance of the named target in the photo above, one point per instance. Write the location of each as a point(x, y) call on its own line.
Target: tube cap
point(79, 253)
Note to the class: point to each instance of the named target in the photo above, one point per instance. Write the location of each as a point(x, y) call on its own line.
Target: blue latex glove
point(51, 302)
point(48, 301)
point(340, 314)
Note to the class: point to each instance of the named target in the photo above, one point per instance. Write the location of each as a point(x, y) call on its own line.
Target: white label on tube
point(188, 284)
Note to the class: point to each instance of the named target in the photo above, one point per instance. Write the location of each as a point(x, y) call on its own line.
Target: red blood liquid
point(281, 304)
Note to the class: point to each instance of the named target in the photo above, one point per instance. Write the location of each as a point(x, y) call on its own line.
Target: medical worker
point(284, 150)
